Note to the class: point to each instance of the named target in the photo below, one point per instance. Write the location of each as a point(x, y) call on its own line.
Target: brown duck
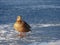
point(21, 26)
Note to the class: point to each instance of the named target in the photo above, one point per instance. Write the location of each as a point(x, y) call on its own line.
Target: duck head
point(19, 18)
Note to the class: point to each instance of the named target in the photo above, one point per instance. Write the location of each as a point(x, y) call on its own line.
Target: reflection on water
point(42, 34)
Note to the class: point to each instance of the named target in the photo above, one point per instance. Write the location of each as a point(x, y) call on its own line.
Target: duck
point(21, 26)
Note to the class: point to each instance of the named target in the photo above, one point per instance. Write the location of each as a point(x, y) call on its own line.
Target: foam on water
point(7, 29)
point(8, 34)
point(48, 43)
point(44, 25)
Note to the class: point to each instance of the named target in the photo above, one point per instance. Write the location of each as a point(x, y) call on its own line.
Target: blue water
point(42, 15)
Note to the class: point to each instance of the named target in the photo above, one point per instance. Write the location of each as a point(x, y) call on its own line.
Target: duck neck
point(19, 21)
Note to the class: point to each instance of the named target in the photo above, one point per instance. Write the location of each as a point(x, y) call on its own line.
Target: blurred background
point(33, 11)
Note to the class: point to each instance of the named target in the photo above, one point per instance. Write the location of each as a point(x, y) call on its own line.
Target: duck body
point(21, 26)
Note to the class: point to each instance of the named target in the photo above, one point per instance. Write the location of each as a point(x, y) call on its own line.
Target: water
point(43, 16)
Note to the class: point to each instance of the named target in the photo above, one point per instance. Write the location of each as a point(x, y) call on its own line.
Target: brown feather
point(21, 26)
